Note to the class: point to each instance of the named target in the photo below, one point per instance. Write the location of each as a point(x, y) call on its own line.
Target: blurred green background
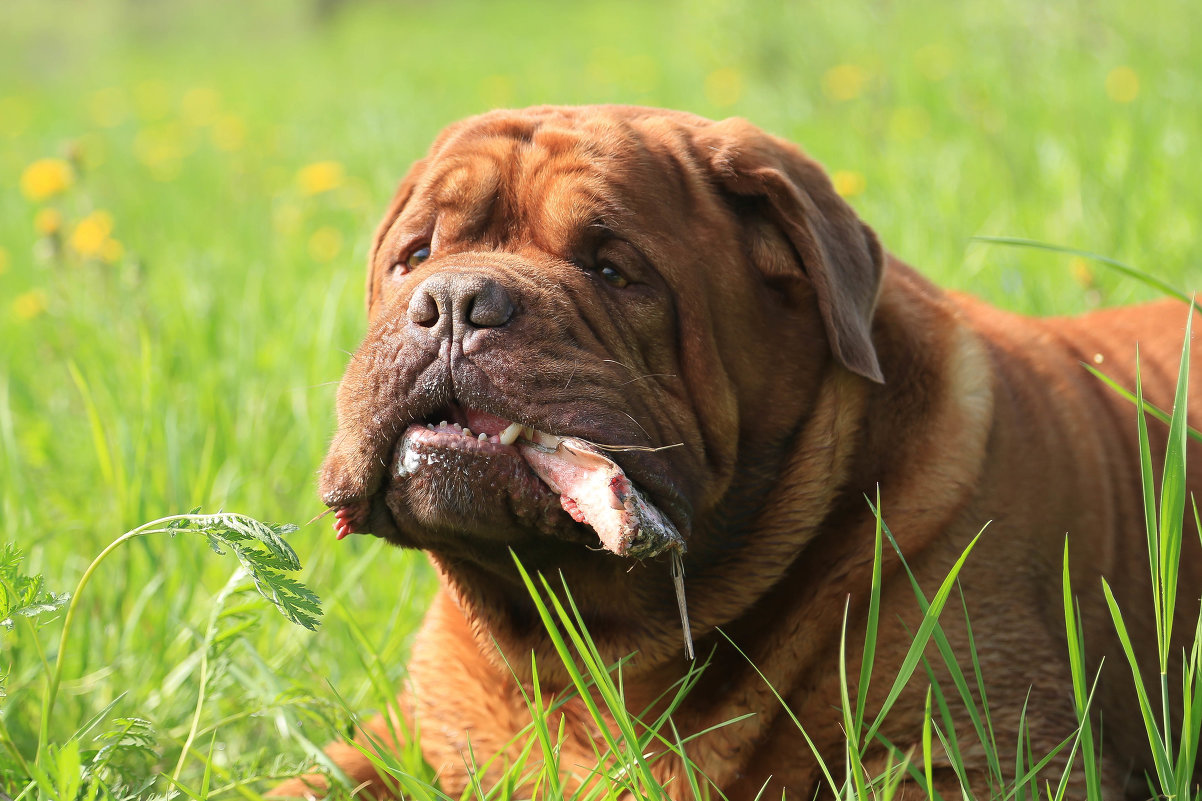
point(187, 191)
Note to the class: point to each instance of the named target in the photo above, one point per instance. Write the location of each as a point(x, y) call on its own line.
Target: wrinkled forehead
point(548, 178)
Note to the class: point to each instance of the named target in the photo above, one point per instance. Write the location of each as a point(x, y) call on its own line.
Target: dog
point(605, 339)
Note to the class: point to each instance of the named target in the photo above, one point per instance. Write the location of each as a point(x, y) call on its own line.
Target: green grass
point(197, 368)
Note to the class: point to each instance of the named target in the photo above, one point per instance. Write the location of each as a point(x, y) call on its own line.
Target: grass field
point(187, 192)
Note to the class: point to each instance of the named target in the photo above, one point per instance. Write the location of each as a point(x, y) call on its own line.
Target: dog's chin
point(448, 489)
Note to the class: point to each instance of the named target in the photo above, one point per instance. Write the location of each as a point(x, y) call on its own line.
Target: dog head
point(664, 293)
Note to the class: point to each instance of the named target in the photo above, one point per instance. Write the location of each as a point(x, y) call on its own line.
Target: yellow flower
point(848, 183)
point(29, 304)
point(724, 87)
point(845, 82)
point(46, 178)
point(325, 243)
point(91, 233)
point(1122, 84)
point(3, 261)
point(318, 177)
point(199, 106)
point(1081, 273)
point(47, 222)
point(228, 132)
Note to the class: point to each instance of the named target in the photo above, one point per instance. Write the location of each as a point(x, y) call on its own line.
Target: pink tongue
point(595, 491)
point(483, 422)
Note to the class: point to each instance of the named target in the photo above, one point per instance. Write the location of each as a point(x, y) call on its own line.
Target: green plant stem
point(56, 675)
point(210, 633)
point(200, 702)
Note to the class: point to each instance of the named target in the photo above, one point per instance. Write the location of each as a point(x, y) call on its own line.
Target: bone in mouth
point(595, 491)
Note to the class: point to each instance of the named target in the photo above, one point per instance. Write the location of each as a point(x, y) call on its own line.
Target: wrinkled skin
point(696, 293)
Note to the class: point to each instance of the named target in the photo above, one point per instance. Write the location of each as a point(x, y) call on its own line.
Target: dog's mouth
point(467, 470)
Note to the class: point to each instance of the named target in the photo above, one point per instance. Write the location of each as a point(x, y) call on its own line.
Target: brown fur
point(801, 367)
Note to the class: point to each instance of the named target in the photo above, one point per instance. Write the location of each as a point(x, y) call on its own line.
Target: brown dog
point(558, 279)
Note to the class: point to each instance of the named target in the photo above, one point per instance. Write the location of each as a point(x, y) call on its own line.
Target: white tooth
point(443, 424)
point(546, 440)
point(430, 426)
point(510, 434)
point(467, 432)
point(528, 433)
point(483, 437)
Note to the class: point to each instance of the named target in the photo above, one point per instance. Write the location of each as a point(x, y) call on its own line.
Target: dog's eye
point(417, 257)
point(612, 276)
point(413, 260)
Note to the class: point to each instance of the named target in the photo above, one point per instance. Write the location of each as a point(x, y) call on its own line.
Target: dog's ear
point(399, 199)
point(839, 254)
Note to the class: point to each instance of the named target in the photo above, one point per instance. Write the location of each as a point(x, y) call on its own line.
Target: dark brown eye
point(417, 257)
point(612, 276)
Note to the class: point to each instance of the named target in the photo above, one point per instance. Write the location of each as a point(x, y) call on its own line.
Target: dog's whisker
point(649, 375)
point(620, 364)
point(637, 423)
point(319, 517)
point(575, 367)
point(641, 448)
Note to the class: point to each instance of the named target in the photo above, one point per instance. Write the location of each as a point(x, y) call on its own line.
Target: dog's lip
point(501, 437)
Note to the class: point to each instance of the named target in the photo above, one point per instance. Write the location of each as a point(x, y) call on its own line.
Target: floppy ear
point(839, 254)
point(399, 199)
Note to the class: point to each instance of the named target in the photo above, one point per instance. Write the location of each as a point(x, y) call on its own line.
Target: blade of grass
point(1164, 768)
point(1172, 512)
point(1076, 661)
point(598, 674)
point(1118, 266)
point(1152, 409)
point(874, 611)
point(928, 759)
point(925, 628)
point(983, 727)
point(855, 768)
point(822, 766)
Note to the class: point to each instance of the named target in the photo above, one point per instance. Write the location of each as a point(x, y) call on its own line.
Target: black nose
point(453, 304)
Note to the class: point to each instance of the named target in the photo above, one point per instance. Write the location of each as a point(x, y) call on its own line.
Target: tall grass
point(195, 365)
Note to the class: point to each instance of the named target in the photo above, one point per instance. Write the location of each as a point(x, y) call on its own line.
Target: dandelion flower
point(848, 183)
point(228, 132)
point(1122, 84)
point(318, 177)
point(845, 82)
point(724, 86)
point(91, 233)
point(29, 304)
point(46, 178)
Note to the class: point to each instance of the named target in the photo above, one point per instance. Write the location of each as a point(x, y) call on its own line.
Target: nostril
point(423, 309)
point(490, 307)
